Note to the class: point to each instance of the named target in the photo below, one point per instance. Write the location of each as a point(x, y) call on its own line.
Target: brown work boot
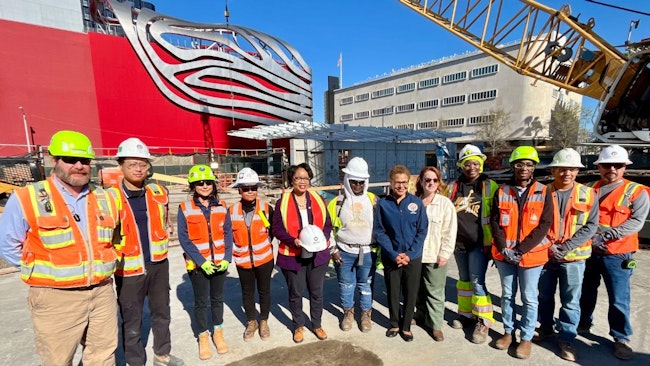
point(366, 321)
point(251, 328)
point(320, 334)
point(299, 334)
point(523, 349)
point(348, 319)
point(504, 342)
point(204, 346)
point(567, 351)
point(265, 332)
point(622, 350)
point(480, 332)
point(542, 334)
point(219, 342)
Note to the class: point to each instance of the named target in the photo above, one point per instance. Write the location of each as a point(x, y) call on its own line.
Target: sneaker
point(541, 334)
point(167, 360)
point(567, 351)
point(622, 350)
point(480, 332)
point(504, 342)
point(299, 334)
point(523, 349)
point(462, 322)
point(251, 329)
point(320, 334)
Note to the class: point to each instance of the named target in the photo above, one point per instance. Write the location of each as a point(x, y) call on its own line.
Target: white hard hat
point(357, 167)
point(133, 147)
point(312, 239)
point(566, 158)
point(470, 150)
point(247, 177)
point(613, 154)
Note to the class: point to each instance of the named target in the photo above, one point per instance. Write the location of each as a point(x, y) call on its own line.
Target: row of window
point(423, 84)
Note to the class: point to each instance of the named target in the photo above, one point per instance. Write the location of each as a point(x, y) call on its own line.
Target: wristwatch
point(608, 236)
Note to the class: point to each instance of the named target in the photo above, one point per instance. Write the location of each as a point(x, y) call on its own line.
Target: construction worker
point(60, 232)
point(575, 220)
point(472, 196)
point(143, 269)
point(352, 217)
point(205, 233)
point(522, 212)
point(623, 207)
point(252, 251)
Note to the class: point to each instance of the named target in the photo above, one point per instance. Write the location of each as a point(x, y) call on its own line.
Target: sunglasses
point(72, 160)
point(248, 189)
point(429, 180)
point(616, 166)
point(203, 183)
point(357, 182)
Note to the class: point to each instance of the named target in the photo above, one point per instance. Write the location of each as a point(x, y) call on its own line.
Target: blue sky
point(377, 36)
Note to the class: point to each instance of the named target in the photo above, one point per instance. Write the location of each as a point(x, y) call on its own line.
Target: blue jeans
point(472, 266)
point(569, 275)
point(350, 275)
point(528, 278)
point(617, 282)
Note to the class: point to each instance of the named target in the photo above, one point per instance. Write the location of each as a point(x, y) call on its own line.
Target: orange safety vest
point(574, 217)
point(517, 227)
point(201, 232)
point(252, 247)
point(489, 188)
point(132, 261)
point(615, 210)
point(55, 252)
point(291, 219)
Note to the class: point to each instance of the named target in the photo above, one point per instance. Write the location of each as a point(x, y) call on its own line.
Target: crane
point(556, 47)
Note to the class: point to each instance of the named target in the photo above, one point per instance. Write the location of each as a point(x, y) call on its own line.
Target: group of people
point(69, 238)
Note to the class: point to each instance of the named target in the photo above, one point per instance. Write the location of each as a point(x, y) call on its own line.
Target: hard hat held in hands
point(133, 147)
point(247, 177)
point(312, 239)
point(613, 154)
point(566, 158)
point(357, 167)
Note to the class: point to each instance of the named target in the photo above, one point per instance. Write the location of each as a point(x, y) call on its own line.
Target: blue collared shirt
point(400, 228)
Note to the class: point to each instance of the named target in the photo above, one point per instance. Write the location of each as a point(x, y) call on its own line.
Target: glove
point(558, 252)
point(598, 242)
point(222, 266)
point(511, 256)
point(208, 268)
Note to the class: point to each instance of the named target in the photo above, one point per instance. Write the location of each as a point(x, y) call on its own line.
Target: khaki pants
point(63, 319)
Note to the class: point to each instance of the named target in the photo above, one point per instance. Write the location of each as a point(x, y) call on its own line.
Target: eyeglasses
point(429, 180)
point(72, 160)
point(357, 182)
point(134, 165)
point(301, 179)
point(248, 189)
point(404, 183)
point(524, 166)
point(616, 166)
point(203, 183)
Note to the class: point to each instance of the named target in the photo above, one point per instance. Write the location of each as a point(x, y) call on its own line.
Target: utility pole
point(29, 146)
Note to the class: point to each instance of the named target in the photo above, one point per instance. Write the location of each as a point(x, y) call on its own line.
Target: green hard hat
point(71, 143)
point(524, 153)
point(200, 172)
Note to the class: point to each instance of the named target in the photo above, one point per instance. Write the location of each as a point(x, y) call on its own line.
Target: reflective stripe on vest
point(291, 219)
point(200, 231)
point(55, 252)
point(575, 217)
point(250, 243)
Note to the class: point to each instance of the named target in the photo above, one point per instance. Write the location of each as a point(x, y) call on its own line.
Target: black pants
point(404, 280)
point(207, 290)
point(313, 277)
point(131, 291)
point(248, 278)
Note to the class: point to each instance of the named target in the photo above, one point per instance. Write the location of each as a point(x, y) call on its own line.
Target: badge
point(413, 207)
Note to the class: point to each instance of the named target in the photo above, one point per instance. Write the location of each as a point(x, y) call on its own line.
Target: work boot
point(504, 342)
point(567, 351)
point(366, 321)
point(167, 360)
point(622, 350)
point(584, 328)
point(523, 349)
point(265, 332)
point(320, 334)
point(480, 332)
point(462, 322)
point(204, 346)
point(542, 334)
point(219, 342)
point(299, 334)
point(251, 328)
point(348, 319)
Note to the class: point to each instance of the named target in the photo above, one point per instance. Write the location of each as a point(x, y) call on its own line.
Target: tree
point(564, 126)
point(495, 130)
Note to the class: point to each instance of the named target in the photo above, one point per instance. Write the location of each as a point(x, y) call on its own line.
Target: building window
point(483, 95)
point(383, 93)
point(346, 100)
point(346, 117)
point(406, 108)
point(430, 125)
point(428, 104)
point(454, 78)
point(456, 99)
point(481, 120)
point(406, 88)
point(362, 115)
point(406, 126)
point(362, 97)
point(485, 71)
point(382, 111)
point(429, 83)
point(454, 122)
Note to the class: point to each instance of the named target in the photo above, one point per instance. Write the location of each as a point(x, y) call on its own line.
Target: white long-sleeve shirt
point(441, 234)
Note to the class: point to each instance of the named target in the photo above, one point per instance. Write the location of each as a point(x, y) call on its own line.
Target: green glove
point(208, 268)
point(222, 266)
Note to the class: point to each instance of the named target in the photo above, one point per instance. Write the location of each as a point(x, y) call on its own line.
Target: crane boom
point(553, 45)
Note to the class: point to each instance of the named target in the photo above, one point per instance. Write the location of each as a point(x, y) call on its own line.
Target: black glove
point(512, 256)
point(558, 252)
point(598, 242)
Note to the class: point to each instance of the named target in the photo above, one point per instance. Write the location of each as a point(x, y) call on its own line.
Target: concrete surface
point(17, 347)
